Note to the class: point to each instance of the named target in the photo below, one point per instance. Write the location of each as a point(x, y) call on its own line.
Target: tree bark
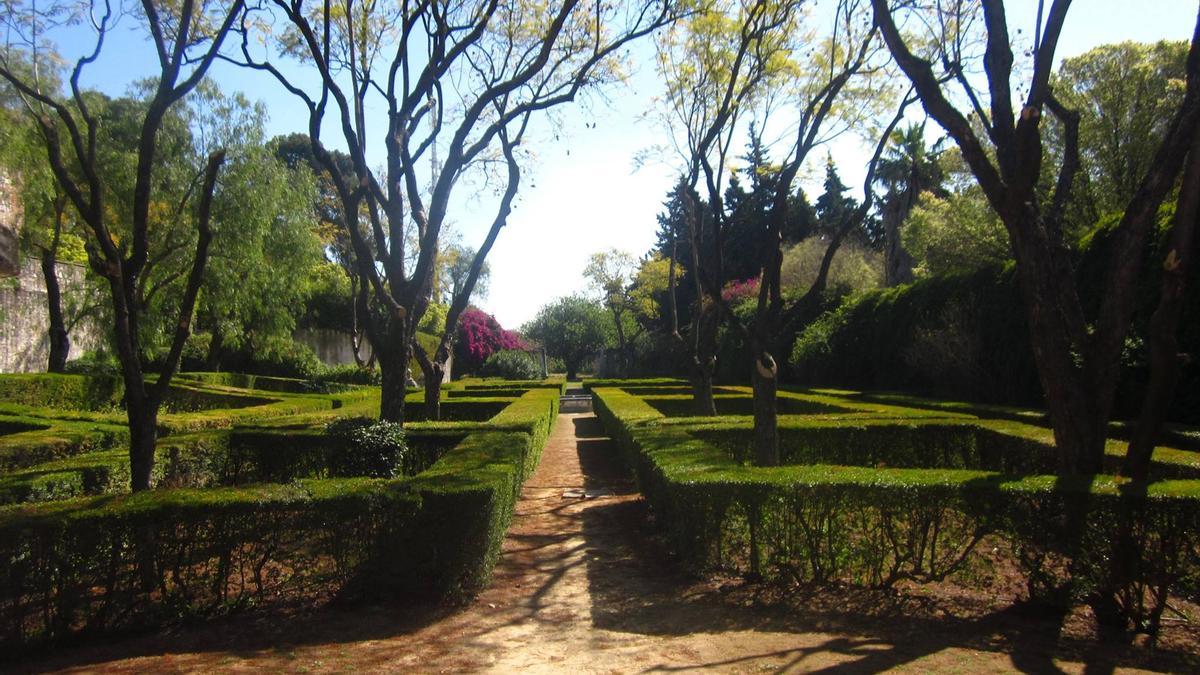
point(766, 409)
point(899, 263)
point(1079, 428)
point(143, 434)
point(1165, 360)
point(433, 392)
point(434, 372)
point(704, 362)
point(393, 385)
point(60, 341)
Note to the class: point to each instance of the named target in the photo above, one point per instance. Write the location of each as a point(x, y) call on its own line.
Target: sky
point(583, 190)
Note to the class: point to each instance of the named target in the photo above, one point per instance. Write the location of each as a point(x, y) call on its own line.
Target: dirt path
point(585, 586)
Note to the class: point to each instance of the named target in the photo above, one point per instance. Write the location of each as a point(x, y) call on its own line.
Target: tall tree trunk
point(60, 342)
point(704, 363)
point(143, 434)
point(1164, 323)
point(433, 392)
point(897, 260)
point(212, 360)
point(394, 355)
point(766, 409)
point(393, 387)
point(1072, 402)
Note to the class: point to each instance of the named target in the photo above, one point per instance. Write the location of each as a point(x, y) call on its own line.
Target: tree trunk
point(1080, 427)
point(393, 388)
point(766, 409)
point(702, 393)
point(1165, 361)
point(60, 342)
point(705, 360)
point(212, 360)
point(143, 433)
point(898, 262)
point(433, 390)
point(394, 355)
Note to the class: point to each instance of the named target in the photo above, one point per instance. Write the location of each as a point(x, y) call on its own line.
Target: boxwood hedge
point(114, 561)
point(875, 501)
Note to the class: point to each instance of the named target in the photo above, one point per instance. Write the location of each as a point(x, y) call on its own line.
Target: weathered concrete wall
point(10, 225)
point(333, 347)
point(24, 344)
point(336, 348)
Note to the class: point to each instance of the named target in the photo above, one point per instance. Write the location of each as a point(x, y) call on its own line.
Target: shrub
point(511, 364)
point(479, 336)
point(366, 447)
point(348, 374)
point(878, 523)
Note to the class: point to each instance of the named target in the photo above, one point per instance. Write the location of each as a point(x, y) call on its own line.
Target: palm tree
point(907, 168)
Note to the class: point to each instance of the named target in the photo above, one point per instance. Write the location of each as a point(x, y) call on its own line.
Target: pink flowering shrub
point(736, 292)
point(479, 335)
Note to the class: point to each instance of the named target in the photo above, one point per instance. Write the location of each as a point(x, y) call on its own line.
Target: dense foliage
point(480, 336)
point(573, 329)
point(366, 447)
point(511, 364)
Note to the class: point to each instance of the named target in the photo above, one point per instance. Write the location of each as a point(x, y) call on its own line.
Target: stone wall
point(10, 223)
point(24, 343)
point(335, 348)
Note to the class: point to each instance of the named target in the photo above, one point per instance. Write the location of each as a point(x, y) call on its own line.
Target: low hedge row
point(53, 390)
point(28, 441)
point(877, 525)
point(119, 562)
point(286, 385)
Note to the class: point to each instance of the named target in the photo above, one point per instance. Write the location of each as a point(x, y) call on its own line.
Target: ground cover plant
point(293, 497)
point(882, 493)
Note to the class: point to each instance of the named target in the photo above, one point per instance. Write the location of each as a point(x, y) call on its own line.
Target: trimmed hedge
point(52, 390)
point(43, 440)
point(877, 524)
point(120, 562)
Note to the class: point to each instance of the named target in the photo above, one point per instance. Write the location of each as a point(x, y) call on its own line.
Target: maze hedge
point(881, 496)
point(245, 515)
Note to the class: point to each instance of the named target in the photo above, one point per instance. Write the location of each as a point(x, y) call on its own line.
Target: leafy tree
point(265, 250)
point(717, 63)
point(956, 233)
point(48, 230)
point(1078, 356)
point(908, 168)
point(480, 336)
point(834, 206)
point(1125, 95)
point(855, 267)
point(610, 275)
point(454, 268)
point(186, 39)
point(572, 329)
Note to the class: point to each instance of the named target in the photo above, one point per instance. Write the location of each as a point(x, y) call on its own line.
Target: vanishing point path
point(585, 586)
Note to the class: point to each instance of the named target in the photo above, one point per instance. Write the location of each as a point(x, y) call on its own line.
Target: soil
point(585, 584)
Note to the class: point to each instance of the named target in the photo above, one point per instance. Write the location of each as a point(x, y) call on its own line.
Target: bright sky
point(584, 193)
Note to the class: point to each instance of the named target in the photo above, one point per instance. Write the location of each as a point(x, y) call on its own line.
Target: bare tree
point(187, 37)
point(458, 80)
point(1078, 356)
